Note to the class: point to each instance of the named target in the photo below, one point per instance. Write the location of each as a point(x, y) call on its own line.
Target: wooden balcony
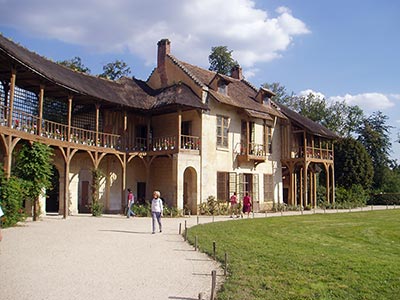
point(312, 153)
point(58, 134)
point(254, 152)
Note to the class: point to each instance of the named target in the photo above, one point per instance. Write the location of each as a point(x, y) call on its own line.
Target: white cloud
point(368, 101)
point(135, 26)
point(305, 93)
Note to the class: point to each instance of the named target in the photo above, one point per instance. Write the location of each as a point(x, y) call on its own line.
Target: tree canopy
point(75, 64)
point(221, 60)
point(353, 165)
point(115, 70)
point(374, 135)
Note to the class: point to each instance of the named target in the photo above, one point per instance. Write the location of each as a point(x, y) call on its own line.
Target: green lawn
point(322, 256)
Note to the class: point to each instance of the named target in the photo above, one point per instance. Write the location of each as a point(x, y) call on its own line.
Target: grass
point(323, 256)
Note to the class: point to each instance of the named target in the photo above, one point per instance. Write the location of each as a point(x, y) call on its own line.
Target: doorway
point(141, 192)
point(190, 191)
point(53, 194)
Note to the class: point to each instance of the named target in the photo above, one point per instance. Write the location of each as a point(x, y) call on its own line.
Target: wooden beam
point(40, 108)
point(12, 95)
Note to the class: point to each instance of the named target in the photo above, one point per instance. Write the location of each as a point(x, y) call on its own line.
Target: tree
point(75, 64)
point(221, 60)
point(344, 119)
point(353, 165)
point(33, 165)
point(337, 116)
point(115, 70)
point(374, 135)
point(281, 96)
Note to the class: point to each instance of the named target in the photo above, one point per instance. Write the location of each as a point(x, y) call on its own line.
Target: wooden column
point(123, 187)
point(301, 188)
point(333, 183)
point(66, 186)
point(328, 196)
point(125, 139)
point(12, 95)
point(247, 138)
point(97, 121)
point(179, 129)
point(148, 133)
point(295, 187)
point(315, 188)
point(69, 118)
point(305, 184)
point(41, 97)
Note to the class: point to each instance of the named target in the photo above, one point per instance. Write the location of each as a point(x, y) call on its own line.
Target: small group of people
point(156, 209)
point(234, 208)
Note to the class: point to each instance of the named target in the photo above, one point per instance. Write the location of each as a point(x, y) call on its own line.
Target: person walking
point(247, 204)
point(156, 211)
point(131, 201)
point(234, 205)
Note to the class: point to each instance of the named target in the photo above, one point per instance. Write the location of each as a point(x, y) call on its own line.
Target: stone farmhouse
point(189, 132)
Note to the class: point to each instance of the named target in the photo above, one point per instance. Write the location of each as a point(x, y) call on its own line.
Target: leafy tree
point(353, 165)
point(338, 116)
point(344, 119)
point(75, 64)
point(221, 60)
point(115, 70)
point(281, 96)
point(313, 107)
point(12, 194)
point(374, 135)
point(33, 164)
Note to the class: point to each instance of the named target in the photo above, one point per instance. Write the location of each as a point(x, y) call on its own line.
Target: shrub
point(356, 196)
point(142, 210)
point(96, 208)
point(12, 194)
point(385, 199)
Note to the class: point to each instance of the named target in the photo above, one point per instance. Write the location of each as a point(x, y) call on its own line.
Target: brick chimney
point(164, 48)
point(236, 72)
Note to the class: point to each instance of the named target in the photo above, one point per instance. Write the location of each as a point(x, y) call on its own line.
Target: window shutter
point(232, 183)
point(255, 188)
point(241, 186)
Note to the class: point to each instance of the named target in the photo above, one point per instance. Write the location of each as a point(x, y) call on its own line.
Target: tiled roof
point(129, 92)
point(240, 92)
point(309, 125)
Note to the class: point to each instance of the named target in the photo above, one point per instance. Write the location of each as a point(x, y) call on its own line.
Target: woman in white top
point(156, 210)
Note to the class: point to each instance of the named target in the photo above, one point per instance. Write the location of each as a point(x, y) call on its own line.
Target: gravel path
point(111, 257)
point(108, 258)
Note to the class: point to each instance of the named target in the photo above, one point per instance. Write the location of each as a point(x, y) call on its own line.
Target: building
point(186, 131)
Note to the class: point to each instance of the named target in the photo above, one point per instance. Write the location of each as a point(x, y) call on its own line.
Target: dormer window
point(267, 100)
point(222, 87)
point(264, 96)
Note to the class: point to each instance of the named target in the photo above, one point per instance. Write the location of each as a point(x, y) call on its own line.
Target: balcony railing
point(254, 149)
point(312, 152)
point(190, 142)
point(163, 143)
point(29, 123)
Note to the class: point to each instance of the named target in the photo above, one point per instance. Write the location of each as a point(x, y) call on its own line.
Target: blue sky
point(342, 50)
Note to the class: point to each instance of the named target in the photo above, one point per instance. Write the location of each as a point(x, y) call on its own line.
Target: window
point(268, 187)
point(222, 131)
point(226, 185)
point(248, 183)
point(186, 128)
point(222, 87)
point(268, 138)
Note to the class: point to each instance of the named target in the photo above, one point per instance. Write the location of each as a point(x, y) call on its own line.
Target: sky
point(342, 50)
